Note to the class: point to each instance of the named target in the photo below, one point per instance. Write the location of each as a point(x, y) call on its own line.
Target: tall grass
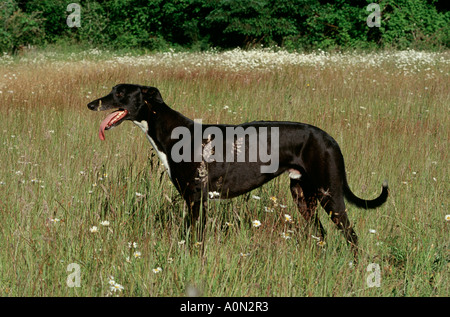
point(58, 180)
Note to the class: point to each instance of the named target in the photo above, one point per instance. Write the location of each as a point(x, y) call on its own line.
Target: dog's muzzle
point(95, 105)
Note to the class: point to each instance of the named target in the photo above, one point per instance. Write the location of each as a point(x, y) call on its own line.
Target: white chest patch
point(162, 156)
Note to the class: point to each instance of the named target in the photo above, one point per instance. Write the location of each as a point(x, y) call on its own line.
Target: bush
point(53, 15)
point(337, 26)
point(18, 28)
point(407, 23)
point(94, 25)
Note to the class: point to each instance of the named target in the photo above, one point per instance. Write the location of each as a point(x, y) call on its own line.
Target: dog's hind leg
point(334, 206)
point(306, 201)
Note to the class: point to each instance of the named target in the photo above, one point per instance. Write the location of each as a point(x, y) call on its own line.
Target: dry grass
point(390, 118)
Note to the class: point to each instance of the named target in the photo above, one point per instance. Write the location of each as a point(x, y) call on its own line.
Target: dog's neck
point(157, 123)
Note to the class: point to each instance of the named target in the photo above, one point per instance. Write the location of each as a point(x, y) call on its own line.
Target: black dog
point(200, 171)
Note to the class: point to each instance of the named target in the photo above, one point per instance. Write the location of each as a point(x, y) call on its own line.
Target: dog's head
point(132, 102)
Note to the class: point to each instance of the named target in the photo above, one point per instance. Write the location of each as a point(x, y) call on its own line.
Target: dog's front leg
point(195, 220)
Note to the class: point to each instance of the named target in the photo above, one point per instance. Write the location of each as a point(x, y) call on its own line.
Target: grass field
point(75, 211)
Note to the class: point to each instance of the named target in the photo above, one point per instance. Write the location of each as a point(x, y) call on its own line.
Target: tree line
point(203, 24)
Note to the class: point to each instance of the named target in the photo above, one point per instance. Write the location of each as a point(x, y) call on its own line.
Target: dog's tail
point(368, 204)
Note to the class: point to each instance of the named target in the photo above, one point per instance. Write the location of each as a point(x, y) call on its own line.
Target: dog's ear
point(151, 94)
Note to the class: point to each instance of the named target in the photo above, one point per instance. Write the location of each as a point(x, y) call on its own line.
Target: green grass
point(390, 123)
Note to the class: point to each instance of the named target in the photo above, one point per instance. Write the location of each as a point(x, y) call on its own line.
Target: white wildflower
point(213, 194)
point(256, 223)
point(116, 287)
point(133, 245)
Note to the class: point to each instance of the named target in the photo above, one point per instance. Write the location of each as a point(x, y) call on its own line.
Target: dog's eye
point(120, 94)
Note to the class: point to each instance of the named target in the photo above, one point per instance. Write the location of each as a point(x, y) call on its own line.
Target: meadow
point(82, 217)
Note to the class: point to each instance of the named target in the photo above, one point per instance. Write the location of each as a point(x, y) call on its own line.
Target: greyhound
point(199, 171)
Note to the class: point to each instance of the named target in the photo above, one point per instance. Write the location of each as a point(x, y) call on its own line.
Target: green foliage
point(53, 13)
point(94, 25)
point(292, 24)
point(249, 22)
point(337, 26)
point(416, 23)
point(131, 24)
point(18, 28)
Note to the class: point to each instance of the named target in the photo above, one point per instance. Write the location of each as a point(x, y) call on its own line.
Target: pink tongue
point(109, 120)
